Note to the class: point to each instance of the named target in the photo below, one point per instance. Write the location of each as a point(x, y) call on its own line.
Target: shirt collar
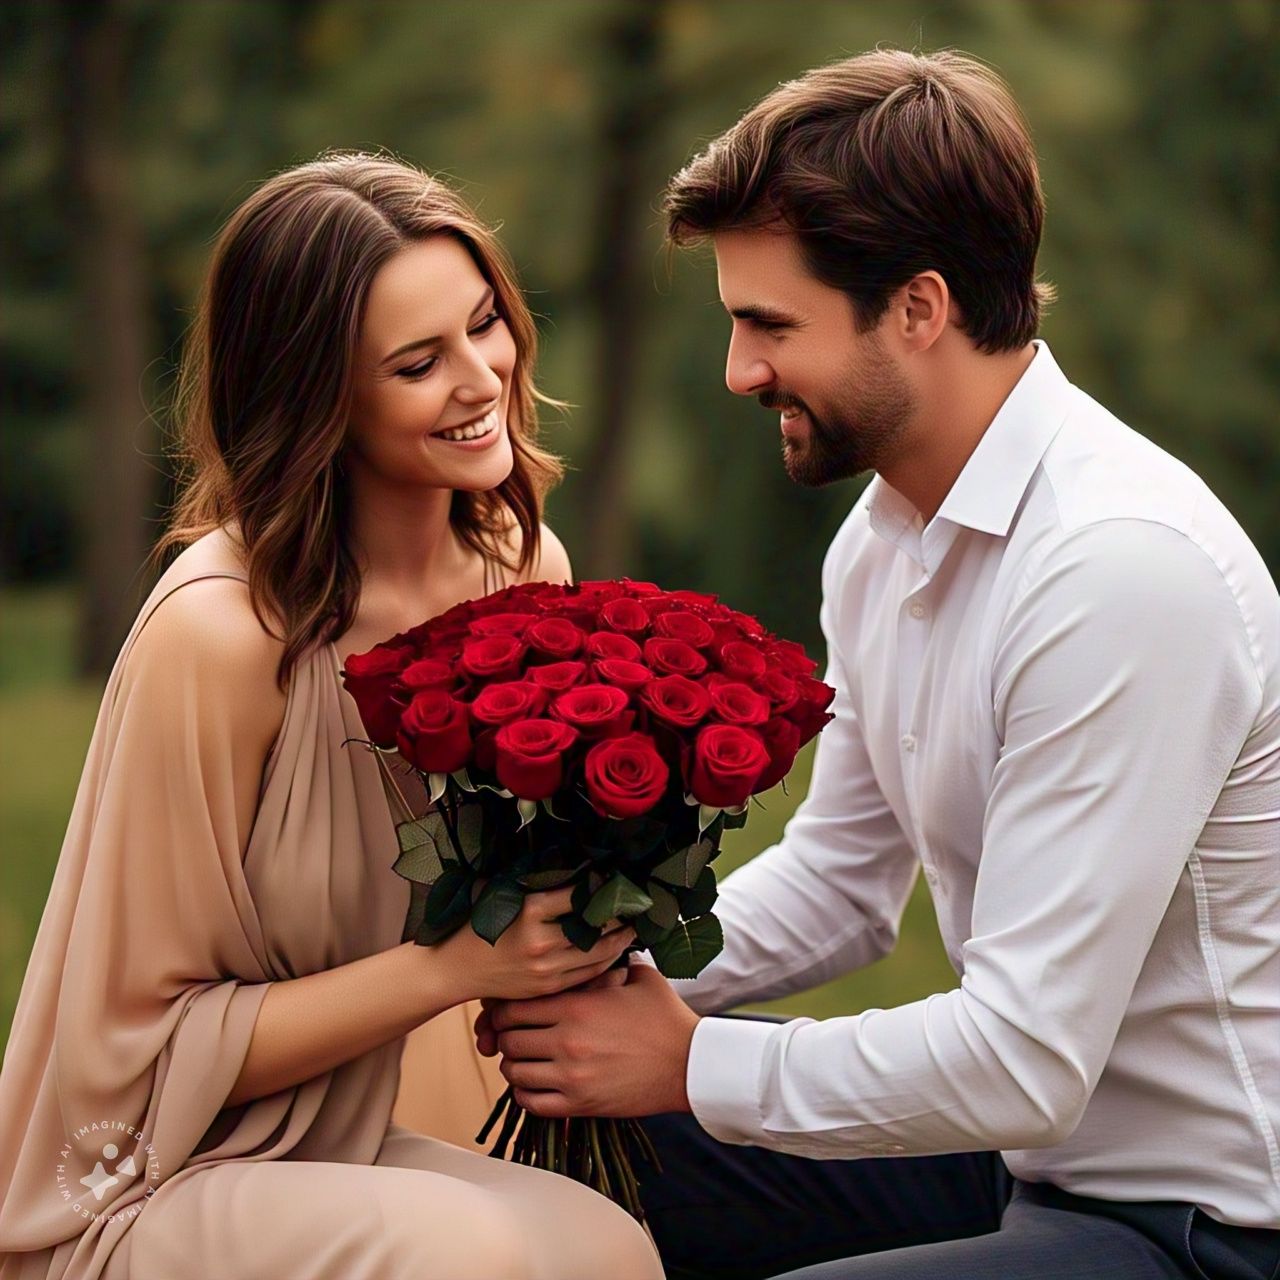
point(987, 492)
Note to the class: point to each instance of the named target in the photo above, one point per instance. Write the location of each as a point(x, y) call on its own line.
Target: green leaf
point(448, 904)
point(417, 911)
point(528, 811)
point(582, 935)
point(463, 779)
point(685, 867)
point(707, 814)
point(701, 898)
point(649, 933)
point(689, 948)
point(496, 908)
point(665, 910)
point(555, 878)
point(437, 784)
point(735, 818)
point(420, 859)
point(470, 824)
point(616, 900)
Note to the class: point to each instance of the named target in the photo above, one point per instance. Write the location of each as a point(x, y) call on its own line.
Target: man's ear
point(925, 307)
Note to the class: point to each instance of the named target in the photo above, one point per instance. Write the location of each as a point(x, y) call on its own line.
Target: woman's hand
point(532, 958)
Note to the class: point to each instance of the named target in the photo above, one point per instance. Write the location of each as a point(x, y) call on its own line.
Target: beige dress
point(159, 940)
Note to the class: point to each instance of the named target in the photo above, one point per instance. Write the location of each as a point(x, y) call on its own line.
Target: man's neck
point(965, 395)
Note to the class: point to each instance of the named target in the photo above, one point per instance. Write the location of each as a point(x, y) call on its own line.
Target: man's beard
point(862, 426)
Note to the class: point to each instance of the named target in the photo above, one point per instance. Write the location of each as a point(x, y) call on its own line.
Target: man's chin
point(812, 471)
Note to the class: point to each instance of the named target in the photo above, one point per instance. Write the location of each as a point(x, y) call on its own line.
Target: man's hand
point(620, 1048)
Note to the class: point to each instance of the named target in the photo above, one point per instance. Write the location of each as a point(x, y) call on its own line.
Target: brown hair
point(265, 384)
point(885, 165)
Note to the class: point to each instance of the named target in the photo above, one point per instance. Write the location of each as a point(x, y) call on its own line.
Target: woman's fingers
point(548, 905)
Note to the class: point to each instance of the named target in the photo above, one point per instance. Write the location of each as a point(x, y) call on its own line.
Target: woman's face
point(432, 383)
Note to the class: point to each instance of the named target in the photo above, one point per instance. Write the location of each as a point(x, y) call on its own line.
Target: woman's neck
point(403, 540)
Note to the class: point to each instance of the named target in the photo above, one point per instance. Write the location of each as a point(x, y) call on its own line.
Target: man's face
point(844, 401)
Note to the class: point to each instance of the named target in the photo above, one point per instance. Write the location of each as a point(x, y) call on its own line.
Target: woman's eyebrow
point(486, 301)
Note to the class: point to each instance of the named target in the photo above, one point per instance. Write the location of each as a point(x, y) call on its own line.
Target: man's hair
point(885, 165)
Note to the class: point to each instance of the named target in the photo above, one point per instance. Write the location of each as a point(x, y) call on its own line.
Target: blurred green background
point(132, 128)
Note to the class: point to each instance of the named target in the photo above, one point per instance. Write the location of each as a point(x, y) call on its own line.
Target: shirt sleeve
point(828, 898)
point(1123, 691)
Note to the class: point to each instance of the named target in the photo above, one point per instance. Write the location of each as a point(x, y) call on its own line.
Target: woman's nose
point(480, 381)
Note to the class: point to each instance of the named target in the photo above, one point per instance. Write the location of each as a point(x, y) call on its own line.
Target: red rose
point(742, 661)
point(680, 624)
point(555, 638)
point(595, 710)
point(751, 626)
point(629, 676)
point(493, 657)
point(676, 700)
point(427, 673)
point(737, 703)
point(791, 658)
point(673, 657)
point(510, 700)
point(727, 764)
point(696, 600)
point(435, 735)
point(502, 624)
point(626, 616)
point(609, 644)
point(529, 756)
point(782, 741)
point(781, 690)
point(370, 678)
point(810, 714)
point(625, 776)
point(556, 677)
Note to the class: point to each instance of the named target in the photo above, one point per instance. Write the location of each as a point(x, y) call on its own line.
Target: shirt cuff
point(726, 1059)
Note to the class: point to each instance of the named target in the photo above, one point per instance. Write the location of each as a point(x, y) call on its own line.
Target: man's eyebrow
point(486, 301)
point(764, 315)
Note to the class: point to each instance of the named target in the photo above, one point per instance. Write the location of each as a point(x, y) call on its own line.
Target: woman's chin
point(486, 471)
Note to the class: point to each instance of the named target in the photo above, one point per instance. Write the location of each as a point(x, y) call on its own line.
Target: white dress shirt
point(1061, 698)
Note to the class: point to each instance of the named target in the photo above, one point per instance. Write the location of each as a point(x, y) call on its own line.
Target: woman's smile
point(478, 434)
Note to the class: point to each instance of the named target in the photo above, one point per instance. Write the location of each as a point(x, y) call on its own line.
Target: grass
point(46, 719)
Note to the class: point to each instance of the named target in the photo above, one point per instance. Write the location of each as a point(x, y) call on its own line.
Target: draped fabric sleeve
point(149, 967)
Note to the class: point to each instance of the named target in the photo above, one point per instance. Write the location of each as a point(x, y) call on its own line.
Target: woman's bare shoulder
point(206, 635)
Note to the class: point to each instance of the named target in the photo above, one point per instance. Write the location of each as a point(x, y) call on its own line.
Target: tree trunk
point(618, 287)
point(106, 237)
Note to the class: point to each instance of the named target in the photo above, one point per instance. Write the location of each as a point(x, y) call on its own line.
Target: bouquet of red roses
point(600, 736)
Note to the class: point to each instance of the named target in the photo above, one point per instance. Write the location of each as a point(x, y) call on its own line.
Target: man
point(1057, 664)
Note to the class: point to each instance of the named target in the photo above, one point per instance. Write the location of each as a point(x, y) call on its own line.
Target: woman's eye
point(487, 323)
point(420, 370)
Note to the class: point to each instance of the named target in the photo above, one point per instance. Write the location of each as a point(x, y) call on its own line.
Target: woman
point(206, 1052)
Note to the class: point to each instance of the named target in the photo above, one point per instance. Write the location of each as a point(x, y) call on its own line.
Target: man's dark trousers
point(722, 1212)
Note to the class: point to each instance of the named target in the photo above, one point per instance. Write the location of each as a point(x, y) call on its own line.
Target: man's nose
point(745, 374)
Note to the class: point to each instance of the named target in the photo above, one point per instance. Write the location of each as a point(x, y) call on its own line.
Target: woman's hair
point(885, 165)
point(265, 386)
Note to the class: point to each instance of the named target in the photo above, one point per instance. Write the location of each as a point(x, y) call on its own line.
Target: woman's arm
point(310, 1025)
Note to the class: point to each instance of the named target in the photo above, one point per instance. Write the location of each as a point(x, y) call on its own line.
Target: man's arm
point(1124, 690)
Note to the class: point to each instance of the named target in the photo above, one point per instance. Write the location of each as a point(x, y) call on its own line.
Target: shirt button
point(917, 609)
point(909, 742)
